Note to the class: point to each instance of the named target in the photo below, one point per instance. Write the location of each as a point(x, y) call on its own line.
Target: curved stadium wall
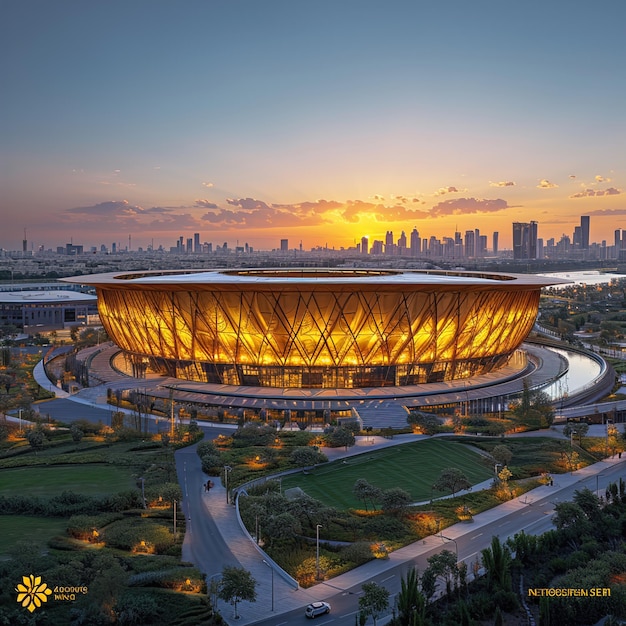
point(317, 328)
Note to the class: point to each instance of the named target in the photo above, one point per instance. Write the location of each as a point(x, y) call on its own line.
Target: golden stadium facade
point(318, 328)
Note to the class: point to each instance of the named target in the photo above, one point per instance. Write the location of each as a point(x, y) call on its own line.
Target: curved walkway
point(285, 597)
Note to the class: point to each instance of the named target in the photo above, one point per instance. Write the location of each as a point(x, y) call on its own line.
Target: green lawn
point(412, 466)
point(35, 530)
point(90, 479)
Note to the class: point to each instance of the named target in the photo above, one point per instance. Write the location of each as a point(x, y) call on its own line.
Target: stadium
point(322, 343)
point(318, 328)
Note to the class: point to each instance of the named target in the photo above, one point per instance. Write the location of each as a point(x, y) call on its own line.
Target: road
point(204, 545)
point(532, 515)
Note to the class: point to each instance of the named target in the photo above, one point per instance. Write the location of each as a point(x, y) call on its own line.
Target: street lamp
point(317, 551)
point(597, 484)
point(227, 469)
point(495, 468)
point(456, 547)
point(20, 414)
point(143, 492)
point(266, 563)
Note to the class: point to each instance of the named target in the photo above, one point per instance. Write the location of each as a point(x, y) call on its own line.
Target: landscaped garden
point(364, 505)
point(74, 514)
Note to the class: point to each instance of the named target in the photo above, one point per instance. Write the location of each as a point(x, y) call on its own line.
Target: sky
point(320, 122)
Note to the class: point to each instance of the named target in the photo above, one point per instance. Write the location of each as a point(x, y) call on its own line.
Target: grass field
point(412, 466)
point(35, 530)
point(90, 479)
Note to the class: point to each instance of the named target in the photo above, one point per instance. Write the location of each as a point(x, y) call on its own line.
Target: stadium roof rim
point(260, 277)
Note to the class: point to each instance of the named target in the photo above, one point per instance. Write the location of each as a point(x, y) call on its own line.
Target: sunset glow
point(323, 123)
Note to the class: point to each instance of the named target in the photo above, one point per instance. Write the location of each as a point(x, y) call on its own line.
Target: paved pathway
point(287, 599)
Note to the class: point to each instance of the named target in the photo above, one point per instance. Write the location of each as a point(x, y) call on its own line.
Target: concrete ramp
point(383, 415)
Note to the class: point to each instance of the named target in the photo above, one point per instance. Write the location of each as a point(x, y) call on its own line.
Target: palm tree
point(497, 563)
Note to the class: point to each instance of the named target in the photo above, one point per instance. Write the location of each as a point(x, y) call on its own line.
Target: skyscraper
point(416, 243)
point(364, 245)
point(524, 240)
point(284, 245)
point(584, 232)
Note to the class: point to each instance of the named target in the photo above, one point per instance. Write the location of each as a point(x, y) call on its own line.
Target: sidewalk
point(287, 599)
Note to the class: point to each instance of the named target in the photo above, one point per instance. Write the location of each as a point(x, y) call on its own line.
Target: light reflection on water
point(589, 278)
point(582, 373)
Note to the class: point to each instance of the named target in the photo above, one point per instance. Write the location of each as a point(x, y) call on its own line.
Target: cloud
point(460, 206)
point(611, 191)
point(503, 183)
point(207, 185)
point(115, 208)
point(601, 179)
point(572, 176)
point(444, 190)
point(546, 184)
point(207, 204)
point(253, 213)
point(607, 212)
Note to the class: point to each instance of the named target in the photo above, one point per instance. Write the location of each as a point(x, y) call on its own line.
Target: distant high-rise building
point(524, 240)
point(584, 232)
point(284, 245)
point(416, 243)
point(377, 246)
point(495, 243)
point(189, 245)
point(197, 248)
point(364, 245)
point(402, 243)
point(389, 245)
point(470, 244)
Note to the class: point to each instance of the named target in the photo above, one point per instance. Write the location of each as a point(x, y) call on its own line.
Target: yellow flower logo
point(32, 593)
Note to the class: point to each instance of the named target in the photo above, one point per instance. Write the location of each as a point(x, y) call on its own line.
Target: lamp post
point(495, 468)
point(266, 563)
point(174, 503)
point(317, 551)
point(20, 415)
point(598, 484)
point(456, 547)
point(227, 469)
point(143, 492)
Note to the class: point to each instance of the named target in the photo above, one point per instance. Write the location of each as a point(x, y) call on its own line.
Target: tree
point(365, 492)
point(36, 438)
point(237, 585)
point(306, 456)
point(497, 563)
point(444, 566)
point(424, 423)
point(502, 454)
point(338, 437)
point(77, 433)
point(396, 500)
point(579, 429)
point(374, 601)
point(452, 479)
point(411, 603)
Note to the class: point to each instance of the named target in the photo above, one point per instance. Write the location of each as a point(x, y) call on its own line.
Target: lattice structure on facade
point(309, 328)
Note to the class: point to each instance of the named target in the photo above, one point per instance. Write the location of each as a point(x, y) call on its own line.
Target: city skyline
point(321, 123)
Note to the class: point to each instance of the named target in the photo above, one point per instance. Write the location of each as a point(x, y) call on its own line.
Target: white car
point(317, 608)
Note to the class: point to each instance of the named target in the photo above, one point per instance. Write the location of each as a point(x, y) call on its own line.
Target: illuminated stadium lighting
point(318, 328)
